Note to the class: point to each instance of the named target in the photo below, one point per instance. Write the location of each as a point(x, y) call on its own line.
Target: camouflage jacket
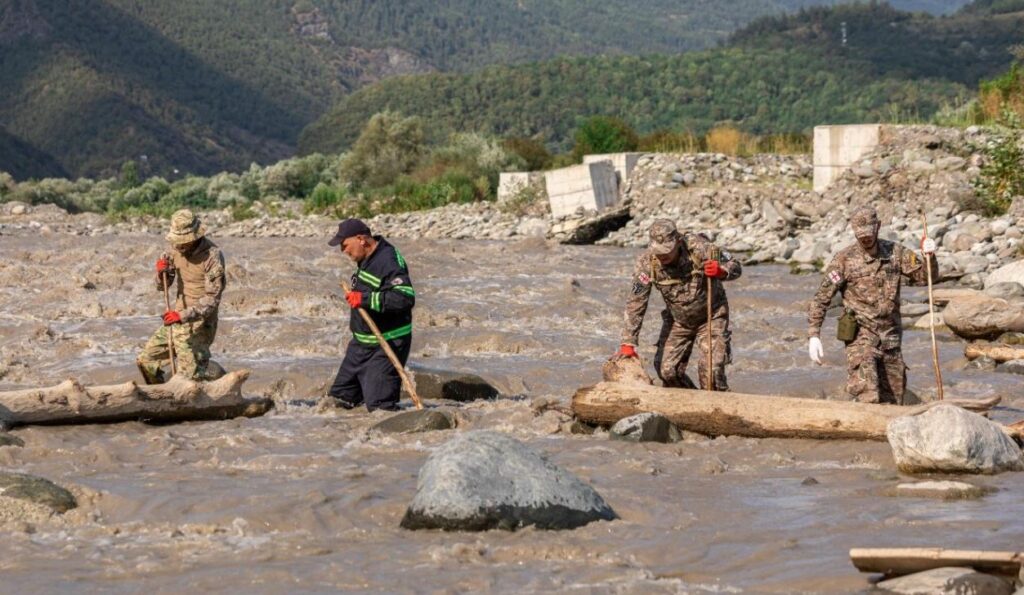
point(870, 286)
point(200, 280)
point(682, 285)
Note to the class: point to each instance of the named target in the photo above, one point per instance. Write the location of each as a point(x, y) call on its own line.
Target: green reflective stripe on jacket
point(401, 331)
point(375, 300)
point(369, 279)
point(406, 289)
point(398, 257)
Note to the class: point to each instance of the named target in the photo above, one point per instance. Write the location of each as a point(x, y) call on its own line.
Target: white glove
point(815, 350)
point(928, 246)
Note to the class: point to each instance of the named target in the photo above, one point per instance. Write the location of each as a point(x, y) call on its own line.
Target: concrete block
point(510, 184)
point(623, 163)
point(836, 148)
point(591, 186)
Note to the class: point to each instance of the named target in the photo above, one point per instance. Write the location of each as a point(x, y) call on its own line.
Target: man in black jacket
point(382, 287)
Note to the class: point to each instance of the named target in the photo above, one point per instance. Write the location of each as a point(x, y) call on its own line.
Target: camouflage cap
point(664, 236)
point(185, 228)
point(864, 220)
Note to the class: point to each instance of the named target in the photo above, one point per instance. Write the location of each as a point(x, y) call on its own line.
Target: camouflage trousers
point(192, 342)
point(675, 344)
point(875, 369)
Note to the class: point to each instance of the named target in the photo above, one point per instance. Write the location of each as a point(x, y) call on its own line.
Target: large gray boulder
point(948, 439)
point(984, 317)
point(36, 490)
point(645, 427)
point(485, 480)
point(415, 421)
point(453, 386)
point(952, 580)
point(1013, 272)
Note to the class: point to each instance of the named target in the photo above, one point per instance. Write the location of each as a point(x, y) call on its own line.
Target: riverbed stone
point(943, 490)
point(984, 317)
point(1014, 366)
point(952, 580)
point(36, 490)
point(948, 439)
point(629, 370)
point(645, 427)
point(451, 385)
point(411, 422)
point(485, 480)
point(1012, 272)
point(9, 440)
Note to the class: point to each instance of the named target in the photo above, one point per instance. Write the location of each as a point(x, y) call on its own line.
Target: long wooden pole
point(388, 351)
point(711, 370)
point(931, 310)
point(170, 327)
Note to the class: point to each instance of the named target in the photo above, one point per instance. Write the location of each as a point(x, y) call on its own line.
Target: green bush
point(389, 146)
point(1002, 177)
point(324, 199)
point(534, 154)
point(604, 134)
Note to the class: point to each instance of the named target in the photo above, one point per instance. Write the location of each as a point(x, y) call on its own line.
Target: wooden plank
point(902, 561)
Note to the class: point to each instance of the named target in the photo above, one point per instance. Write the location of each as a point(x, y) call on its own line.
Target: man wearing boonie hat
point(382, 287)
point(679, 265)
point(195, 270)
point(869, 274)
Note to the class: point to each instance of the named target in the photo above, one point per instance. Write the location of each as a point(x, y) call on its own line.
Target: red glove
point(162, 265)
point(626, 350)
point(711, 269)
point(355, 298)
point(171, 317)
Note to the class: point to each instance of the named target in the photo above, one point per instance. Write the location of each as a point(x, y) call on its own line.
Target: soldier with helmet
point(679, 265)
point(869, 274)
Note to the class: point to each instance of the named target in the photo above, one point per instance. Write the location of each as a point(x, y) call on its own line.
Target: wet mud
point(308, 499)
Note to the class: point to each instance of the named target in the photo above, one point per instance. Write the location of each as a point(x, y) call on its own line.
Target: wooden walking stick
point(711, 345)
point(388, 351)
point(170, 327)
point(931, 309)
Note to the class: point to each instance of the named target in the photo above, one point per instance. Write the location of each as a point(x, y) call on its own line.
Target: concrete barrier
point(592, 186)
point(510, 184)
point(837, 148)
point(622, 162)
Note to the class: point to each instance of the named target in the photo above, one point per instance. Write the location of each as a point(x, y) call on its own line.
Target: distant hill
point(780, 74)
point(207, 85)
point(22, 160)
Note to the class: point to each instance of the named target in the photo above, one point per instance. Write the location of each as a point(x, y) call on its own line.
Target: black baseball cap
point(347, 229)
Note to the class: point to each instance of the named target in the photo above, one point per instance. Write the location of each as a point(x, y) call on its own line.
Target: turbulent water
point(309, 501)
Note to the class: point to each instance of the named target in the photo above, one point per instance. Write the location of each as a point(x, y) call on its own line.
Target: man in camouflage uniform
point(679, 266)
point(869, 274)
point(197, 265)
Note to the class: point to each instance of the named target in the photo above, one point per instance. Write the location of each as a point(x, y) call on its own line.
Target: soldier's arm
point(636, 303)
point(730, 265)
point(834, 281)
point(912, 266)
point(213, 283)
point(395, 292)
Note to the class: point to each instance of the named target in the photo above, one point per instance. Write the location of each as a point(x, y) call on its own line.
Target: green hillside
point(22, 160)
point(207, 85)
point(778, 75)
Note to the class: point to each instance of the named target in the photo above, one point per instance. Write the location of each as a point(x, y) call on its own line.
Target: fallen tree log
point(999, 353)
point(179, 399)
point(738, 414)
point(903, 561)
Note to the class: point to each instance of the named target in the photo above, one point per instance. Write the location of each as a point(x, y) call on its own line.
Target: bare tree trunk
point(1000, 353)
point(759, 416)
point(179, 399)
point(903, 561)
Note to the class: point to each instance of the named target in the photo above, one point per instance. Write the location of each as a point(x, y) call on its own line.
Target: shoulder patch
point(644, 278)
point(835, 277)
point(397, 281)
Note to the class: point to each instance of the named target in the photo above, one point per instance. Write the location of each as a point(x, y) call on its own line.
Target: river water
point(303, 500)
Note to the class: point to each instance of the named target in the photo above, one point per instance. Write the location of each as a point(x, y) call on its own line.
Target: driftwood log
point(999, 353)
point(901, 561)
point(738, 414)
point(179, 399)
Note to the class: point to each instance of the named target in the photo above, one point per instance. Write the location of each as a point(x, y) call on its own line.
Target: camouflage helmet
point(185, 228)
point(664, 236)
point(864, 220)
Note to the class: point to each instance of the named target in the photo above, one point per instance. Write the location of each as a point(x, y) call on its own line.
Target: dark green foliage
point(993, 7)
point(534, 154)
point(603, 134)
point(390, 146)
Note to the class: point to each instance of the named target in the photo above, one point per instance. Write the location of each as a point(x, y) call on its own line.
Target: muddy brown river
point(303, 500)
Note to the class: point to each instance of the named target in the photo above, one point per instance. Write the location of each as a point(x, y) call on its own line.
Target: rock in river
point(36, 490)
point(8, 440)
point(950, 580)
point(486, 480)
point(948, 439)
point(645, 427)
point(410, 422)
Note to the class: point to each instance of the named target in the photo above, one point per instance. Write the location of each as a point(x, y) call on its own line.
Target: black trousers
point(366, 375)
